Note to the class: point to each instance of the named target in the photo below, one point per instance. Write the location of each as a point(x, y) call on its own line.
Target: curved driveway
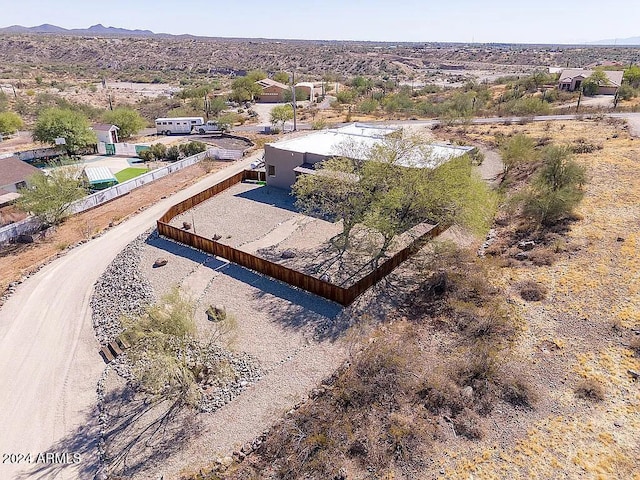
point(49, 361)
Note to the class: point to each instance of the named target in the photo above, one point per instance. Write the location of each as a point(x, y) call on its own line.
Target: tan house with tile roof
point(571, 79)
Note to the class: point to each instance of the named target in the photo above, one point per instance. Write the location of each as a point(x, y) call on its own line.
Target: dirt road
point(49, 362)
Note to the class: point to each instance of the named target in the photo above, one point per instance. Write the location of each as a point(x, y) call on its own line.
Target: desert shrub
point(367, 106)
point(192, 148)
point(468, 424)
point(518, 150)
point(541, 257)
point(158, 150)
point(173, 153)
point(146, 155)
point(556, 189)
point(319, 124)
point(527, 106)
point(531, 291)
point(518, 391)
point(590, 389)
point(627, 92)
point(440, 395)
point(583, 146)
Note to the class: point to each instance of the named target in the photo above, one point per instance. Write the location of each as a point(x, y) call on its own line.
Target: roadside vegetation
point(49, 196)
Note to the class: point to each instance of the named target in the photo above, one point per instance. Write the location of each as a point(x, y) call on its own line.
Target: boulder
point(25, 239)
point(526, 245)
point(288, 254)
point(186, 225)
point(160, 262)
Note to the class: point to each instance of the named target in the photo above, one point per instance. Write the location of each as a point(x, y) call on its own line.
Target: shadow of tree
point(140, 433)
point(81, 461)
point(276, 197)
point(144, 431)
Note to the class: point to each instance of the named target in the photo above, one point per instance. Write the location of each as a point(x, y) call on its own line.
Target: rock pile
point(220, 388)
point(120, 290)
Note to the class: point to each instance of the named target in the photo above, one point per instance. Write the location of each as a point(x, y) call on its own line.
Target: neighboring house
point(14, 174)
point(106, 133)
point(287, 159)
point(99, 177)
point(310, 89)
point(572, 79)
point(272, 91)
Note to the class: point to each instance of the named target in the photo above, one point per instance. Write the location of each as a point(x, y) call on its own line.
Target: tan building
point(572, 79)
point(272, 91)
point(14, 174)
point(287, 159)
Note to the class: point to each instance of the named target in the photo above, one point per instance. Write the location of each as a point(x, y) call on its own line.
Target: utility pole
point(579, 98)
point(293, 96)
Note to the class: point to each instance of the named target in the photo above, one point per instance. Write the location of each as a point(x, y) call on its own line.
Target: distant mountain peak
point(631, 41)
point(97, 29)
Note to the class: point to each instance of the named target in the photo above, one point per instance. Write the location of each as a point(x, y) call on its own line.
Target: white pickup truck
point(209, 127)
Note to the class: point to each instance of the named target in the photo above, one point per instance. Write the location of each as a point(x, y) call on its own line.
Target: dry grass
point(553, 350)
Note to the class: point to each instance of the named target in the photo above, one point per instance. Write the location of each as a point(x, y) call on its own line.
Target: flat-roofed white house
point(571, 79)
point(287, 159)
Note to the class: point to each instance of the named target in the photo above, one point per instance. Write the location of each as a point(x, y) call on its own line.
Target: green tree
point(255, 75)
point(592, 83)
point(244, 89)
point(10, 122)
point(74, 127)
point(215, 106)
point(281, 114)
point(282, 77)
point(376, 189)
point(557, 187)
point(632, 76)
point(127, 120)
point(49, 196)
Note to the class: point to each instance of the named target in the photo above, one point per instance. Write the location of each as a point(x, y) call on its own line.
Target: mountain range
point(93, 30)
point(631, 41)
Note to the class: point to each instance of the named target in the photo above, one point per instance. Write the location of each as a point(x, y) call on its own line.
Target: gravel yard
point(282, 235)
point(241, 214)
point(287, 332)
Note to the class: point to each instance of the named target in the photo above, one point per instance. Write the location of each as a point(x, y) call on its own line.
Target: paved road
point(49, 362)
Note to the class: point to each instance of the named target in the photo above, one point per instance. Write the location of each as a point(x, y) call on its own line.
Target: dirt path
point(49, 364)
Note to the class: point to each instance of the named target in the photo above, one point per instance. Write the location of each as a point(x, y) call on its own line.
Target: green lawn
point(129, 173)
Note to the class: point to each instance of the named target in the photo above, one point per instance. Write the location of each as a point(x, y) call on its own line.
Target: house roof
point(99, 175)
point(13, 170)
point(267, 82)
point(614, 76)
point(104, 127)
point(357, 139)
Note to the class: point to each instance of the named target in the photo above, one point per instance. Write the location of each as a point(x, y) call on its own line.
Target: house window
point(272, 170)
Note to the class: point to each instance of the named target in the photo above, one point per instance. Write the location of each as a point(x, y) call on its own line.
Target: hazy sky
point(533, 21)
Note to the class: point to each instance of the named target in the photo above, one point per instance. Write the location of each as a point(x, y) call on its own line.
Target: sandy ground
point(277, 324)
point(48, 351)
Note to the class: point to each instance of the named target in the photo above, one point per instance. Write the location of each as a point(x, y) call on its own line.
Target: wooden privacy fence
point(341, 295)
